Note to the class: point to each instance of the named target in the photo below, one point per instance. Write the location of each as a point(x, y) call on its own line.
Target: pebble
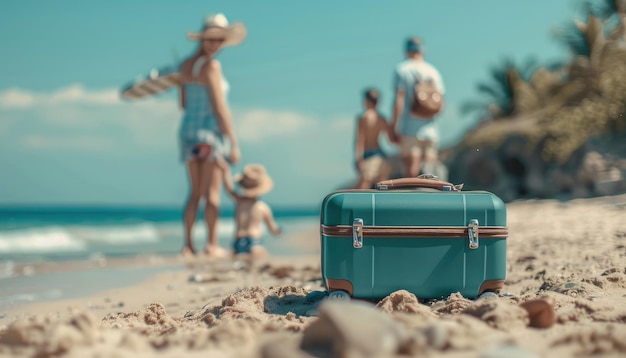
point(353, 328)
point(540, 312)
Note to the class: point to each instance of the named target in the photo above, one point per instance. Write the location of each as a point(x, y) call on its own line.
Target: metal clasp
point(472, 233)
point(357, 233)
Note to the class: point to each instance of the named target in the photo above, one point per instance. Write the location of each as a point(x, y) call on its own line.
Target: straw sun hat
point(216, 26)
point(253, 181)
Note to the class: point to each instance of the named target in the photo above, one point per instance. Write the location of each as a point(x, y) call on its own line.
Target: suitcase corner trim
point(335, 284)
point(491, 285)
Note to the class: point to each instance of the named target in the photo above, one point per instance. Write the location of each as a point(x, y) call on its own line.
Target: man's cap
point(413, 44)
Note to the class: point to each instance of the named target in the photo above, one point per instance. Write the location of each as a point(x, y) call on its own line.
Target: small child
point(250, 212)
point(370, 159)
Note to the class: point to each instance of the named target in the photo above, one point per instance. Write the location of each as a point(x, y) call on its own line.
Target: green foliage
point(500, 89)
point(561, 109)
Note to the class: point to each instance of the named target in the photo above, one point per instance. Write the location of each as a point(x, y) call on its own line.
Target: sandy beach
point(573, 253)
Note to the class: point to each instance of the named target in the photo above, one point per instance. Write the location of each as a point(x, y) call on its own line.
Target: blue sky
point(67, 138)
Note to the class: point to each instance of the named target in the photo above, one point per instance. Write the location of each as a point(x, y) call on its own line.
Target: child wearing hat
point(250, 212)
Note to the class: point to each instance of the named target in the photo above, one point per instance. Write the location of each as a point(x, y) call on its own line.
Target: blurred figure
point(250, 211)
point(417, 136)
point(370, 159)
point(206, 131)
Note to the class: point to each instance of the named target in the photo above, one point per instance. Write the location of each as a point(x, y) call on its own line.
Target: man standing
point(417, 136)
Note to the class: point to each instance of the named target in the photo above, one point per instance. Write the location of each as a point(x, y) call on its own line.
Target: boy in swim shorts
point(250, 212)
point(371, 161)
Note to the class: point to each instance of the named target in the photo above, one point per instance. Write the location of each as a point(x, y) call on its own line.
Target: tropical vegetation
point(558, 107)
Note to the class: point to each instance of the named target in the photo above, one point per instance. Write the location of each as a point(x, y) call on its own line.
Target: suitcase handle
point(424, 182)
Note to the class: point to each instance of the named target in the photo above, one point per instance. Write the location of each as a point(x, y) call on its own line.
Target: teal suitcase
point(417, 234)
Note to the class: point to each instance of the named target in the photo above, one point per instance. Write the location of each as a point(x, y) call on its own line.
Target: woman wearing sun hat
point(206, 131)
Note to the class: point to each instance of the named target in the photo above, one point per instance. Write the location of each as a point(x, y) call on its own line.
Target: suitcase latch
point(472, 233)
point(357, 233)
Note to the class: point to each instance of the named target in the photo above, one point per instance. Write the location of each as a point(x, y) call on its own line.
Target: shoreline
point(179, 287)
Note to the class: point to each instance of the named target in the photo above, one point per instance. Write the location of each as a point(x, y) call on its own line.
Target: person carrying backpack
point(419, 94)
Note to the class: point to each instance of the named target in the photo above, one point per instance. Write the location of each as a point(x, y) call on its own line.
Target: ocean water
point(32, 235)
point(35, 234)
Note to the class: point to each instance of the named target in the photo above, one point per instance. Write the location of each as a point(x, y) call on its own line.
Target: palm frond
point(573, 38)
point(471, 107)
point(617, 33)
point(605, 9)
point(528, 68)
point(495, 92)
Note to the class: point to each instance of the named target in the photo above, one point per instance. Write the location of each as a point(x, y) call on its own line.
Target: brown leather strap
point(485, 232)
point(416, 183)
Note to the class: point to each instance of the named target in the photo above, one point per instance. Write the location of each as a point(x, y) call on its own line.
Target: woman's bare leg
point(191, 208)
point(211, 212)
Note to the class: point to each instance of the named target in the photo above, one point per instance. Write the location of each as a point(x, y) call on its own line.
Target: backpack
point(427, 100)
